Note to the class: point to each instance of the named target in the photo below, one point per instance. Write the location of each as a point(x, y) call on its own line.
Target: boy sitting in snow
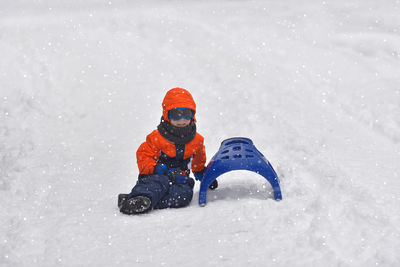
point(164, 159)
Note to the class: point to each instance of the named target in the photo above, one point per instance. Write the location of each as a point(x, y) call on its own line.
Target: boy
point(164, 159)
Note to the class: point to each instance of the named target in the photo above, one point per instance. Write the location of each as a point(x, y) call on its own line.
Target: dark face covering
point(177, 135)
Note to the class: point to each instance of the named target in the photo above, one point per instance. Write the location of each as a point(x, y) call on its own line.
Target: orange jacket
point(150, 151)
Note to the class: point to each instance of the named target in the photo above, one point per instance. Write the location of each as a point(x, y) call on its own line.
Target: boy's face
point(181, 123)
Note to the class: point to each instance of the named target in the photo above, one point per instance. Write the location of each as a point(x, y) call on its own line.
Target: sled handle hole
point(236, 142)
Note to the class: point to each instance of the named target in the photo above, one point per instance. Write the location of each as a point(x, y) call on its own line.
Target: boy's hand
point(199, 177)
point(160, 169)
point(176, 176)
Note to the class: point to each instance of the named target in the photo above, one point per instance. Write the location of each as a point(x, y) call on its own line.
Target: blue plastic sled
point(238, 153)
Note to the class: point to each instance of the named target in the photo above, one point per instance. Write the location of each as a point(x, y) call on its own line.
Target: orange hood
point(178, 98)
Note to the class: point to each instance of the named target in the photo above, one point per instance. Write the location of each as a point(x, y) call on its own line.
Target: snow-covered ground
point(315, 85)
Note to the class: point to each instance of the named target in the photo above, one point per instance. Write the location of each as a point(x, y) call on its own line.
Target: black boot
point(121, 199)
point(214, 185)
point(136, 205)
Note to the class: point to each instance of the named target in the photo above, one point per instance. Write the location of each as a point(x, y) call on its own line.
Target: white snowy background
point(315, 85)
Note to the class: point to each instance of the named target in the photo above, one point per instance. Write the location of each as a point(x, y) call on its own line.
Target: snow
point(314, 84)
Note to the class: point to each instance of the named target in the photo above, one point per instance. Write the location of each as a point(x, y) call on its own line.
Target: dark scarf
point(177, 135)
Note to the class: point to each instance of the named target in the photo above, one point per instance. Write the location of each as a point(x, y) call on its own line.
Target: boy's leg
point(136, 205)
point(179, 195)
point(154, 187)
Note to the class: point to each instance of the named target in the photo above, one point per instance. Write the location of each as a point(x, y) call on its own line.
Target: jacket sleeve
point(147, 155)
point(199, 158)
